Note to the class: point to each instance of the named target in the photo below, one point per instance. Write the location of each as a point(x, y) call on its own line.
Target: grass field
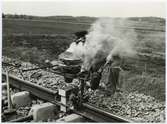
point(41, 27)
point(38, 40)
point(65, 26)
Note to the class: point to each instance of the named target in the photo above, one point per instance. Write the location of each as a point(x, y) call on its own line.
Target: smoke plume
point(106, 38)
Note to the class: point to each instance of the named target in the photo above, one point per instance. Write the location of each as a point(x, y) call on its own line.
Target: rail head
point(34, 89)
point(103, 113)
point(29, 83)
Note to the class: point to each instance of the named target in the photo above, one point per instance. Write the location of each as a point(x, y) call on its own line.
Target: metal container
point(71, 65)
point(68, 59)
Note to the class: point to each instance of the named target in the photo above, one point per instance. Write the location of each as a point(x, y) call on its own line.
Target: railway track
point(88, 111)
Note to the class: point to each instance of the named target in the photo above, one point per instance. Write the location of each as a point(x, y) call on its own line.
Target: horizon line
point(85, 16)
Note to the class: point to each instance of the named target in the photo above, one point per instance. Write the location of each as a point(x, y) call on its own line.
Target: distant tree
point(3, 15)
point(16, 16)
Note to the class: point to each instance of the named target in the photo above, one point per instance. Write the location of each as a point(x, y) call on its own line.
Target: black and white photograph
point(83, 61)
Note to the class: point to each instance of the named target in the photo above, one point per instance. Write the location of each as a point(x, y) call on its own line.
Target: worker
point(112, 83)
point(96, 74)
point(96, 70)
point(81, 39)
point(80, 36)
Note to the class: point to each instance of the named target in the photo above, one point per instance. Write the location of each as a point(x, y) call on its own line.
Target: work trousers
point(113, 80)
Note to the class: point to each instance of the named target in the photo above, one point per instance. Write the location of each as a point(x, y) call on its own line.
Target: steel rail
point(98, 115)
point(34, 89)
point(88, 111)
point(43, 67)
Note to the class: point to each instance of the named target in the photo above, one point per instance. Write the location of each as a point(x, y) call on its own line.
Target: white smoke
point(105, 38)
point(76, 49)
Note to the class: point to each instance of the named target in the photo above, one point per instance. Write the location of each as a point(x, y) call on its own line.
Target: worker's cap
point(81, 33)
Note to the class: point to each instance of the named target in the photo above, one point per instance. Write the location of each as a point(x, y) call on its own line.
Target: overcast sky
point(112, 8)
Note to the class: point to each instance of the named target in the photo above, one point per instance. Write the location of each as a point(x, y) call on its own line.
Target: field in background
point(36, 40)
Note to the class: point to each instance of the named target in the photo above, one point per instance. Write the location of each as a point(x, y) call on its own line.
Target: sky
point(96, 8)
